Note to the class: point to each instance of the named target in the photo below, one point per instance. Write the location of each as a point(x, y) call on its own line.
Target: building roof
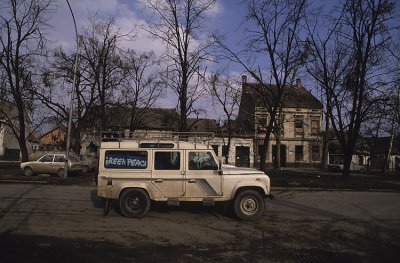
point(202, 125)
point(164, 119)
point(51, 131)
point(296, 97)
point(150, 118)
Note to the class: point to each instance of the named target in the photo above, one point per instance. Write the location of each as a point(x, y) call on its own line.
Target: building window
point(298, 153)
point(260, 149)
point(261, 118)
point(314, 127)
point(298, 125)
point(315, 153)
point(262, 123)
point(225, 150)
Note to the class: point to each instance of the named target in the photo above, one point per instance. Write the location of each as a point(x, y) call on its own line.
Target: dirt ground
point(64, 223)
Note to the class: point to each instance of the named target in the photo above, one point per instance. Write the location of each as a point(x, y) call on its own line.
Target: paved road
point(48, 223)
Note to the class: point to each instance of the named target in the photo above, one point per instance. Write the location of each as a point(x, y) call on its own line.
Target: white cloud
point(128, 14)
point(126, 18)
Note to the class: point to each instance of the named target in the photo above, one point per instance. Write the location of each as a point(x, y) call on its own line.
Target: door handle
point(159, 180)
point(191, 181)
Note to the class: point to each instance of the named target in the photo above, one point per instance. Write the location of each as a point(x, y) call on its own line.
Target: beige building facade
point(301, 125)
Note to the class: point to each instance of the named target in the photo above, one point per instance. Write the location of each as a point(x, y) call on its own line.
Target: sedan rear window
point(59, 159)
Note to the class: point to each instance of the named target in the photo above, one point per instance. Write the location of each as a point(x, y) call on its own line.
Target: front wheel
point(134, 203)
point(249, 205)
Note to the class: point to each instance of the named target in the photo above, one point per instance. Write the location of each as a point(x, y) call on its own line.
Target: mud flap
point(106, 206)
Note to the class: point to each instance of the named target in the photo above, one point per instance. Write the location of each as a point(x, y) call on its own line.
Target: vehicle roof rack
point(157, 137)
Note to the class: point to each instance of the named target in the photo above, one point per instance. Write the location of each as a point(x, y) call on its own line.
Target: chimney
point(298, 83)
point(244, 79)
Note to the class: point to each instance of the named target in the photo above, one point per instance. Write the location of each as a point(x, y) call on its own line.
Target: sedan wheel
point(28, 171)
point(60, 172)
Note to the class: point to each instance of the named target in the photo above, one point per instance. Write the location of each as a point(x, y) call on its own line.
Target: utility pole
point(72, 94)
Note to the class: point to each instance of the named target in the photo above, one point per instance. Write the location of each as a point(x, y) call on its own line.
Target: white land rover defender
point(133, 170)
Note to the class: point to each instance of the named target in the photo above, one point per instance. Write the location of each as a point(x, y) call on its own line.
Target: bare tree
point(347, 63)
point(57, 79)
point(225, 94)
point(99, 77)
point(274, 31)
point(103, 70)
point(180, 26)
point(141, 86)
point(21, 40)
point(327, 65)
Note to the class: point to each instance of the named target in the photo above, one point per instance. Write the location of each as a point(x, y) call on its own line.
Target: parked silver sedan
point(51, 164)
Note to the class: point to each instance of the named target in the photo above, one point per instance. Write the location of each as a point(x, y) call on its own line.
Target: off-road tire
point(248, 205)
point(134, 203)
point(28, 171)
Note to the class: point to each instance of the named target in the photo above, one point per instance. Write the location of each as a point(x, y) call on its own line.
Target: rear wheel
point(60, 172)
point(28, 171)
point(248, 205)
point(134, 203)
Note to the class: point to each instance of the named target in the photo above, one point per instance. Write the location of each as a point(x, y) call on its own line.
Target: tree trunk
point(325, 144)
point(183, 117)
point(24, 149)
point(229, 140)
point(348, 155)
point(278, 154)
point(387, 156)
point(263, 157)
point(22, 134)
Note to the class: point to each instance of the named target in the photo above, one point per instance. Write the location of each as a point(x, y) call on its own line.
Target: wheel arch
point(28, 167)
point(143, 187)
point(258, 188)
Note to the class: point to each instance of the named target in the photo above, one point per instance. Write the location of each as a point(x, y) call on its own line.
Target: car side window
point(47, 158)
point(59, 159)
point(202, 161)
point(167, 161)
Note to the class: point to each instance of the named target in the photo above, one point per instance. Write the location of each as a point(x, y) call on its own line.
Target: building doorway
point(283, 155)
point(242, 156)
